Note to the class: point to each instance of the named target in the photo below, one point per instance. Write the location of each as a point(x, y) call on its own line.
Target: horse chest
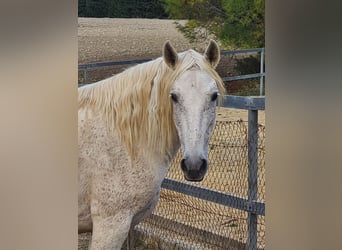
point(141, 184)
point(126, 186)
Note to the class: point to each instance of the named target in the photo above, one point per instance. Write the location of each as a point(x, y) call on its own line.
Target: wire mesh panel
point(261, 185)
point(184, 222)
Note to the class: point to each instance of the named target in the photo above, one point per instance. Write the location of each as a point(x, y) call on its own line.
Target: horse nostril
point(183, 166)
point(204, 165)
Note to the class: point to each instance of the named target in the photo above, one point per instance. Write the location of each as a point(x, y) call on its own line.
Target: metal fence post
point(85, 76)
point(262, 55)
point(252, 176)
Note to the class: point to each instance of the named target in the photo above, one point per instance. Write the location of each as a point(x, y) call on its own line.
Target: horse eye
point(214, 97)
point(174, 97)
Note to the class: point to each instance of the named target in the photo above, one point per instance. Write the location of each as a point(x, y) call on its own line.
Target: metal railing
point(86, 66)
point(261, 74)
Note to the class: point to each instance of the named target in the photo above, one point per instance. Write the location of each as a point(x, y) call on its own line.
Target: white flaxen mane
point(136, 104)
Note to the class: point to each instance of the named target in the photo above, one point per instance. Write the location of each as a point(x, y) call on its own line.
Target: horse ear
point(212, 53)
point(170, 55)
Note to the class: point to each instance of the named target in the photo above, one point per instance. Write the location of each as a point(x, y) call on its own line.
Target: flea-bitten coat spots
point(130, 126)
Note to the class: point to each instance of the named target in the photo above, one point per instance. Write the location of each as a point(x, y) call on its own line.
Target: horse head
point(193, 96)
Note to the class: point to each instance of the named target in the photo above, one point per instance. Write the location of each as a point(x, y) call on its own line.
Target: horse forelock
point(135, 104)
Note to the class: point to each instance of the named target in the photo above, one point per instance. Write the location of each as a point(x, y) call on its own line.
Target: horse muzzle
point(194, 170)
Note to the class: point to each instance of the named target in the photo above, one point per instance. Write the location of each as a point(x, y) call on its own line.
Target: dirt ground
point(106, 39)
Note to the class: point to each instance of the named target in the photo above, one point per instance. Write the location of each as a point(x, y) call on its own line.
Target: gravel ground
point(103, 39)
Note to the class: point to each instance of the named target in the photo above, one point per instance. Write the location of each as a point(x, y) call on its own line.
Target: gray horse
point(130, 126)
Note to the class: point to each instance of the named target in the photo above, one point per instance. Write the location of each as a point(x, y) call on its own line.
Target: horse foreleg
point(109, 233)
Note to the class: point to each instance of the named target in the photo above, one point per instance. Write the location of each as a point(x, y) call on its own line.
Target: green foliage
point(121, 8)
point(136, 9)
point(249, 88)
point(81, 8)
point(91, 8)
point(244, 66)
point(244, 24)
point(205, 17)
point(248, 65)
point(236, 23)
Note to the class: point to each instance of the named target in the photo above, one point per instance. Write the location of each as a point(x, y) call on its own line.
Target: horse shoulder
point(99, 161)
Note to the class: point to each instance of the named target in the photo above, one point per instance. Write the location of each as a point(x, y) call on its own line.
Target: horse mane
point(136, 104)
